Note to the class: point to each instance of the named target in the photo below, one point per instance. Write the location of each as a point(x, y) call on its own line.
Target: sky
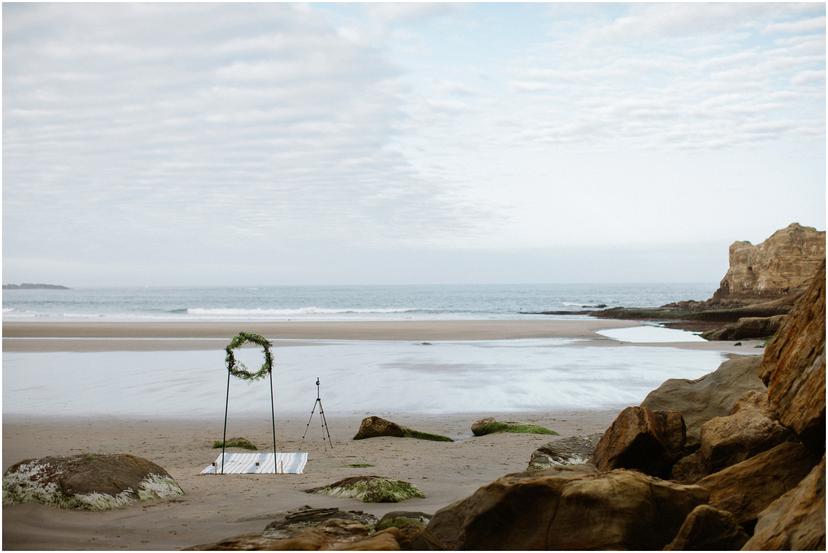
point(222, 144)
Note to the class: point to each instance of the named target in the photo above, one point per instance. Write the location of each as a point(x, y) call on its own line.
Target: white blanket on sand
point(259, 463)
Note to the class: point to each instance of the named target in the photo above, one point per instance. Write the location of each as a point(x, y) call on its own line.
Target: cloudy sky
point(412, 143)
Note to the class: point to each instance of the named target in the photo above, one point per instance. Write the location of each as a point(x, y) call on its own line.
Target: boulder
point(407, 524)
point(746, 328)
point(783, 264)
point(643, 440)
point(90, 482)
point(370, 489)
point(794, 367)
point(747, 488)
point(574, 450)
point(729, 440)
point(708, 529)
point(569, 510)
point(305, 529)
point(795, 521)
point(712, 395)
point(492, 426)
point(375, 427)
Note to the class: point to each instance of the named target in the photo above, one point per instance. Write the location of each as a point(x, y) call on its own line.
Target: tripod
point(325, 430)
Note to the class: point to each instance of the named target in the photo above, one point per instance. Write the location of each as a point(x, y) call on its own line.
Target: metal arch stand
point(325, 431)
point(272, 421)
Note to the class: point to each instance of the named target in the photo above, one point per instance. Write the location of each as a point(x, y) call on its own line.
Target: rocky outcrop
point(708, 529)
point(568, 510)
point(783, 264)
point(795, 521)
point(794, 367)
point(375, 427)
point(34, 286)
point(641, 439)
point(88, 481)
point(712, 395)
point(746, 328)
point(370, 489)
point(575, 450)
point(762, 281)
point(729, 440)
point(304, 529)
point(747, 488)
point(489, 425)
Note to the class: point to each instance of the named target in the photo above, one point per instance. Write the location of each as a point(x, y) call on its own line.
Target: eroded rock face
point(575, 450)
point(746, 328)
point(712, 395)
point(708, 529)
point(794, 367)
point(747, 488)
point(783, 264)
point(88, 482)
point(643, 440)
point(729, 440)
point(568, 510)
point(795, 521)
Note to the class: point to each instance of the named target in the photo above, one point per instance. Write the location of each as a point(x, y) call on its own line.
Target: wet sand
point(217, 507)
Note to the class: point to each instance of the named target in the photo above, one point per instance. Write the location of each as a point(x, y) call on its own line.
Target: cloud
point(212, 123)
point(815, 24)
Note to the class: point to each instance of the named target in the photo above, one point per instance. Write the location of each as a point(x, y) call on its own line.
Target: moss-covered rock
point(490, 426)
point(375, 427)
point(242, 443)
point(403, 519)
point(370, 489)
point(87, 482)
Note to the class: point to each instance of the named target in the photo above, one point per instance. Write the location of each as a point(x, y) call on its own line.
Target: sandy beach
point(218, 507)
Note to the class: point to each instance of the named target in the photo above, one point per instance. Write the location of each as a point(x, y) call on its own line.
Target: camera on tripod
point(325, 432)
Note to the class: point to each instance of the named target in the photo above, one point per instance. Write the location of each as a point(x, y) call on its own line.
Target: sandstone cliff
point(783, 264)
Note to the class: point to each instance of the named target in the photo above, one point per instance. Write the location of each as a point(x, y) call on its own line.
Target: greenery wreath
point(237, 368)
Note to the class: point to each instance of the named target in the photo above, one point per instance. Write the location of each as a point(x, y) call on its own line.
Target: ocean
point(514, 301)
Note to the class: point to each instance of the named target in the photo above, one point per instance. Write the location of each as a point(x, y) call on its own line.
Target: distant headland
point(34, 286)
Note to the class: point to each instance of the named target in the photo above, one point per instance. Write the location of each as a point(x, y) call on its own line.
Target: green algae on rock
point(243, 443)
point(491, 426)
point(88, 482)
point(375, 427)
point(370, 489)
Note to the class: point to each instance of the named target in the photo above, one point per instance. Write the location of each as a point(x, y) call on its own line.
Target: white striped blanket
point(259, 463)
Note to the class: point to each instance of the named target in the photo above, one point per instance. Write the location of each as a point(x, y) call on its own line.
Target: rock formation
point(641, 439)
point(795, 521)
point(370, 489)
point(761, 284)
point(746, 328)
point(708, 529)
point(492, 426)
point(794, 367)
point(575, 450)
point(783, 264)
point(747, 488)
point(566, 510)
point(88, 481)
point(712, 395)
point(304, 529)
point(375, 427)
